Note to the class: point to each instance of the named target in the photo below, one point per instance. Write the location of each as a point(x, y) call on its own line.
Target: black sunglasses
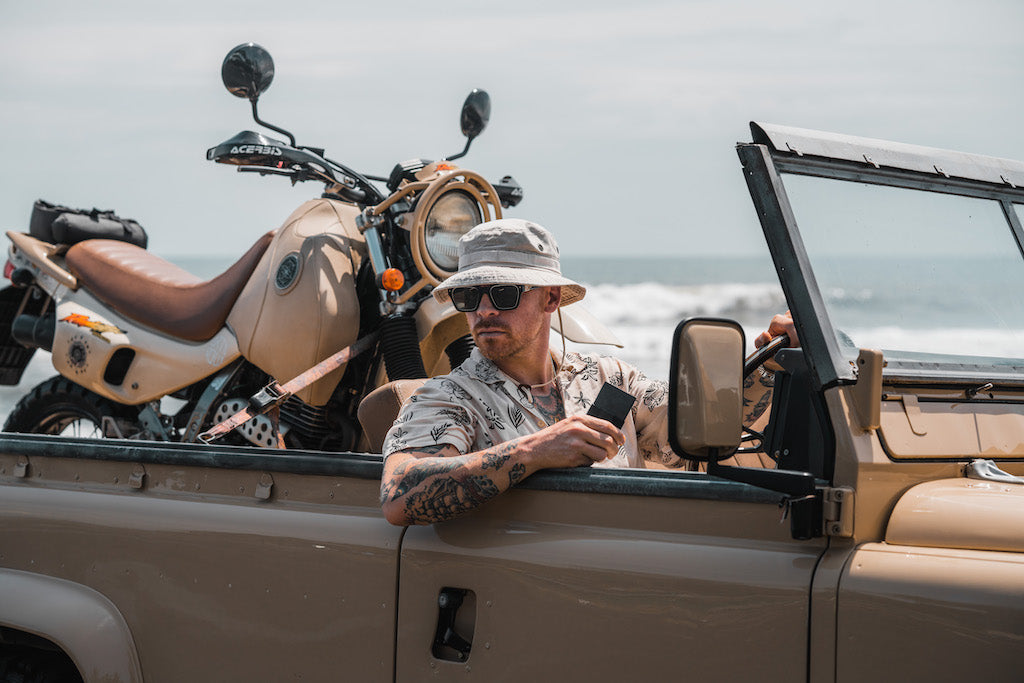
point(503, 297)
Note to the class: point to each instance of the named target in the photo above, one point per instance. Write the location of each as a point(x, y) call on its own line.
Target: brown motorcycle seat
point(147, 289)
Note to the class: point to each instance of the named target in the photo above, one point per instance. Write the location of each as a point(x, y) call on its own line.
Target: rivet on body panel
point(21, 468)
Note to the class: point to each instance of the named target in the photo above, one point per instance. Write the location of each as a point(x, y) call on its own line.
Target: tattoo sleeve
point(437, 483)
point(757, 396)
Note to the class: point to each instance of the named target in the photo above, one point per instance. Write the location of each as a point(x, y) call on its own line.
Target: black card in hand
point(612, 404)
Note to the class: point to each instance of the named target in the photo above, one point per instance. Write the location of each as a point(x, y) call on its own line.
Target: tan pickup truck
point(887, 544)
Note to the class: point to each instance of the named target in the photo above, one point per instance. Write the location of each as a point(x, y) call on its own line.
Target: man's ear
point(554, 298)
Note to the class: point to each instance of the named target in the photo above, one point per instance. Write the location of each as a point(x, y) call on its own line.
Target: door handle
point(448, 643)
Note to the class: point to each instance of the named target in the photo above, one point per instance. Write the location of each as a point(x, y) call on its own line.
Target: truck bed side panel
point(216, 577)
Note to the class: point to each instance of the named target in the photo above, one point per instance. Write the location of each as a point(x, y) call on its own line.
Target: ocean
point(641, 299)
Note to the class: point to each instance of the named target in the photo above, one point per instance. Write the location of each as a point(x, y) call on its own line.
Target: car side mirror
point(705, 420)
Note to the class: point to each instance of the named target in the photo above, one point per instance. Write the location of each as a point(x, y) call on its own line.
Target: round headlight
point(451, 217)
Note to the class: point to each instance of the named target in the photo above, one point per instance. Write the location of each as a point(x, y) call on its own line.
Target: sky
point(618, 119)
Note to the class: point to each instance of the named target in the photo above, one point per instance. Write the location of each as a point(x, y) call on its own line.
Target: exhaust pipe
point(33, 331)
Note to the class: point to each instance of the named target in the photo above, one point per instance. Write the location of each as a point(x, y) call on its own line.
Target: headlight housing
point(451, 217)
point(448, 206)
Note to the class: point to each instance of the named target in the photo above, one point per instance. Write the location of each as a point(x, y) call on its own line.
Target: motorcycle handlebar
point(347, 194)
point(510, 193)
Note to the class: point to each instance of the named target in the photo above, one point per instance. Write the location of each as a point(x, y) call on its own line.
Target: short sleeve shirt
point(477, 406)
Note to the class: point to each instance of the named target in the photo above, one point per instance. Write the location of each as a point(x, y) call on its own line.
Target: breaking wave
point(643, 316)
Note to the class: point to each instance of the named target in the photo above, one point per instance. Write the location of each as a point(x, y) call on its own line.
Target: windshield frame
point(778, 150)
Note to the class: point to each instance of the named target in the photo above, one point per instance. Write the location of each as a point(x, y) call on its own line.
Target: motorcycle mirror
point(476, 112)
point(247, 71)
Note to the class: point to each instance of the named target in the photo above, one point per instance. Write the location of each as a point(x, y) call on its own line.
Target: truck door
point(608, 575)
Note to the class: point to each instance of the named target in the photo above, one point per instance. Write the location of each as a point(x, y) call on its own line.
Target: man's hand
point(436, 483)
point(780, 324)
point(756, 399)
point(576, 441)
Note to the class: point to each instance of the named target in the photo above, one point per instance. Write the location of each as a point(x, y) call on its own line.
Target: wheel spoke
point(83, 428)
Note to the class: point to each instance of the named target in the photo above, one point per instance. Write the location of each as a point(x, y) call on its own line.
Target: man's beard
point(500, 347)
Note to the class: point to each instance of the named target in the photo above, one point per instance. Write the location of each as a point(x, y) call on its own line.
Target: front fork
point(399, 340)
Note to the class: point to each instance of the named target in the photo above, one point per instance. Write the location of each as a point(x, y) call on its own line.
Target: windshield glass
point(923, 276)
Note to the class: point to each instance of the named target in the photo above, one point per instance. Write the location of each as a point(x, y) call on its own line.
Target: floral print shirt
point(477, 406)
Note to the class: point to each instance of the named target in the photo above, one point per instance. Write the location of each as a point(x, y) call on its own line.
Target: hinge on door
point(837, 511)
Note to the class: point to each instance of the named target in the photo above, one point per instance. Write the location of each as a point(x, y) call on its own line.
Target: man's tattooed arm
point(435, 483)
point(757, 396)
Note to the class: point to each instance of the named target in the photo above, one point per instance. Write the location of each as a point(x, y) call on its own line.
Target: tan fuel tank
point(300, 305)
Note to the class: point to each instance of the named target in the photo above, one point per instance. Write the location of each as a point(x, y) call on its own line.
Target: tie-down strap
point(274, 394)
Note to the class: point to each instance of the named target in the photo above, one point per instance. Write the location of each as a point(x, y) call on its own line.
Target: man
point(514, 407)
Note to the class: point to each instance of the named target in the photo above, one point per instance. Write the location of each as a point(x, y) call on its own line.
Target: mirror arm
point(282, 131)
point(789, 482)
point(469, 141)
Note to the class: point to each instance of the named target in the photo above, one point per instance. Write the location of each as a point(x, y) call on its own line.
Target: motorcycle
point(146, 350)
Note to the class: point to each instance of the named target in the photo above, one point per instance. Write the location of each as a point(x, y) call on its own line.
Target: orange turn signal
point(392, 279)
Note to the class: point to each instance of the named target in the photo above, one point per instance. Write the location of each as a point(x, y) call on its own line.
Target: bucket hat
point(509, 251)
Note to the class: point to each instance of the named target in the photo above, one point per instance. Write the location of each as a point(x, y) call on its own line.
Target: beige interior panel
point(952, 430)
point(1000, 433)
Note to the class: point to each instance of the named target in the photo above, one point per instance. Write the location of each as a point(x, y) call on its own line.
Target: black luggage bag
point(62, 225)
